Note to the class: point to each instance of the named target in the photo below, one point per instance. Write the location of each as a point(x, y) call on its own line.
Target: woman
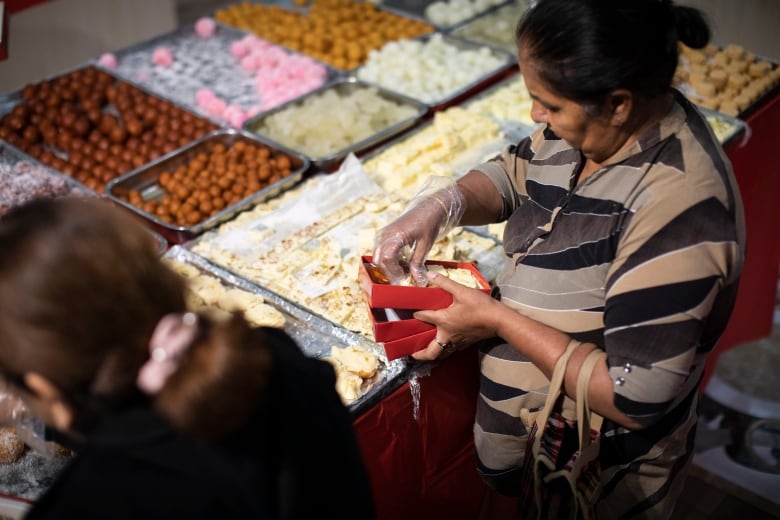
point(171, 414)
point(624, 231)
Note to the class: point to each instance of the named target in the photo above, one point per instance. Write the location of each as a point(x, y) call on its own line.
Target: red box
point(409, 345)
point(392, 324)
point(383, 295)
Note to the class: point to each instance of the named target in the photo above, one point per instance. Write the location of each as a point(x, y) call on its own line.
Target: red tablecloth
point(425, 468)
point(757, 168)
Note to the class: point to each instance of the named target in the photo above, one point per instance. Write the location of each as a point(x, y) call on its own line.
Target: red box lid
point(383, 295)
point(409, 345)
point(392, 324)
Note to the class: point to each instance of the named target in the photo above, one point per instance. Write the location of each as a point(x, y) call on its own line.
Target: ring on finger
point(446, 346)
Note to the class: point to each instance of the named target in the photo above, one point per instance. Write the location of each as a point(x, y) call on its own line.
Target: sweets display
point(496, 28)
point(446, 13)
point(207, 177)
point(363, 373)
point(729, 80)
point(335, 118)
point(354, 366)
point(207, 293)
point(219, 71)
point(340, 33)
point(11, 445)
point(93, 127)
point(307, 249)
point(24, 181)
point(431, 70)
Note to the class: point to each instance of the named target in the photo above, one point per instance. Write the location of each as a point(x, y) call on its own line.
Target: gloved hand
point(430, 214)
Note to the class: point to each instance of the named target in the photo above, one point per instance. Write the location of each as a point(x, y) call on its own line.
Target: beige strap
point(586, 418)
point(556, 383)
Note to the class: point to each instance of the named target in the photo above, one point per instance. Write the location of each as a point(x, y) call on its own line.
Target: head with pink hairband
point(170, 340)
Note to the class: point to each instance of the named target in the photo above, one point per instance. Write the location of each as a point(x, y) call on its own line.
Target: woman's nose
point(539, 113)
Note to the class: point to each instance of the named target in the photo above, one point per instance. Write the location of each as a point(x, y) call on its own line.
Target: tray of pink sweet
point(223, 73)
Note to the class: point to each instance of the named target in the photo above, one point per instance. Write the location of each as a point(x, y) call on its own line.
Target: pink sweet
point(216, 107)
point(250, 63)
point(239, 49)
point(205, 27)
point(204, 96)
point(162, 56)
point(234, 116)
point(108, 60)
point(253, 111)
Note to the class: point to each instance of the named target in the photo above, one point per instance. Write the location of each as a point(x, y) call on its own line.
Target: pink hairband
point(172, 336)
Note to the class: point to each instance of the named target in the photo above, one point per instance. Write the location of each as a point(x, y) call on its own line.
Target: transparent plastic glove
point(405, 242)
point(12, 409)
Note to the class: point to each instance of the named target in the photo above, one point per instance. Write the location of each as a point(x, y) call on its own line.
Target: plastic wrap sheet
point(315, 335)
point(198, 63)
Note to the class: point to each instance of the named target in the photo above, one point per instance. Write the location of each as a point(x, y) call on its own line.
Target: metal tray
point(10, 156)
point(507, 62)
point(726, 128)
point(514, 130)
point(417, 9)
point(347, 86)
point(313, 334)
point(145, 179)
point(198, 63)
point(495, 27)
point(12, 99)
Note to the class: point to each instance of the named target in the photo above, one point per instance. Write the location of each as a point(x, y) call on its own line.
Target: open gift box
point(385, 295)
point(392, 307)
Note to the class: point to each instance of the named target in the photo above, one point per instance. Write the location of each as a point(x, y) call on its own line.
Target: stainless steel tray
point(495, 27)
point(198, 63)
point(726, 128)
point(513, 129)
point(346, 85)
point(313, 334)
point(507, 62)
point(146, 179)
point(418, 9)
point(10, 100)
point(62, 185)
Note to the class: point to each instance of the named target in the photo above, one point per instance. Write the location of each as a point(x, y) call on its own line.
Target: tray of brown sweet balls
point(94, 127)
point(208, 181)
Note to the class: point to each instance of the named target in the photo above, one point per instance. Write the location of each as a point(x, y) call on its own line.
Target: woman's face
point(568, 119)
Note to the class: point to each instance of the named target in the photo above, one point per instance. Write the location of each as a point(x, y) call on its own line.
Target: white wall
point(753, 24)
point(61, 34)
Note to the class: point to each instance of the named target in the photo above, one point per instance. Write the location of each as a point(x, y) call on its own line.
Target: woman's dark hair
point(82, 288)
point(585, 49)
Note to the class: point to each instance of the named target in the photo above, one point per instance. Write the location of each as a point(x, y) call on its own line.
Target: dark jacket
point(296, 458)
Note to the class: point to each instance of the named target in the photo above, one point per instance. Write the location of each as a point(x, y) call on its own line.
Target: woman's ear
point(620, 103)
point(48, 402)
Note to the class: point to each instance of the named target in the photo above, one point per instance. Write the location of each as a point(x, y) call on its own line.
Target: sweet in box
point(392, 307)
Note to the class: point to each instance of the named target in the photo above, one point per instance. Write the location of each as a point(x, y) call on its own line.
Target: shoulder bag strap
point(554, 391)
point(587, 419)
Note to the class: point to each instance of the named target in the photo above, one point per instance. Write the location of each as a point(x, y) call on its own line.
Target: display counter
point(756, 168)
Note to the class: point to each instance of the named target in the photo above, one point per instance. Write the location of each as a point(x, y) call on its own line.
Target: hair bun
point(692, 28)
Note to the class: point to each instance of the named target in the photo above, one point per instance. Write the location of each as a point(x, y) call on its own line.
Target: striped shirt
point(643, 259)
